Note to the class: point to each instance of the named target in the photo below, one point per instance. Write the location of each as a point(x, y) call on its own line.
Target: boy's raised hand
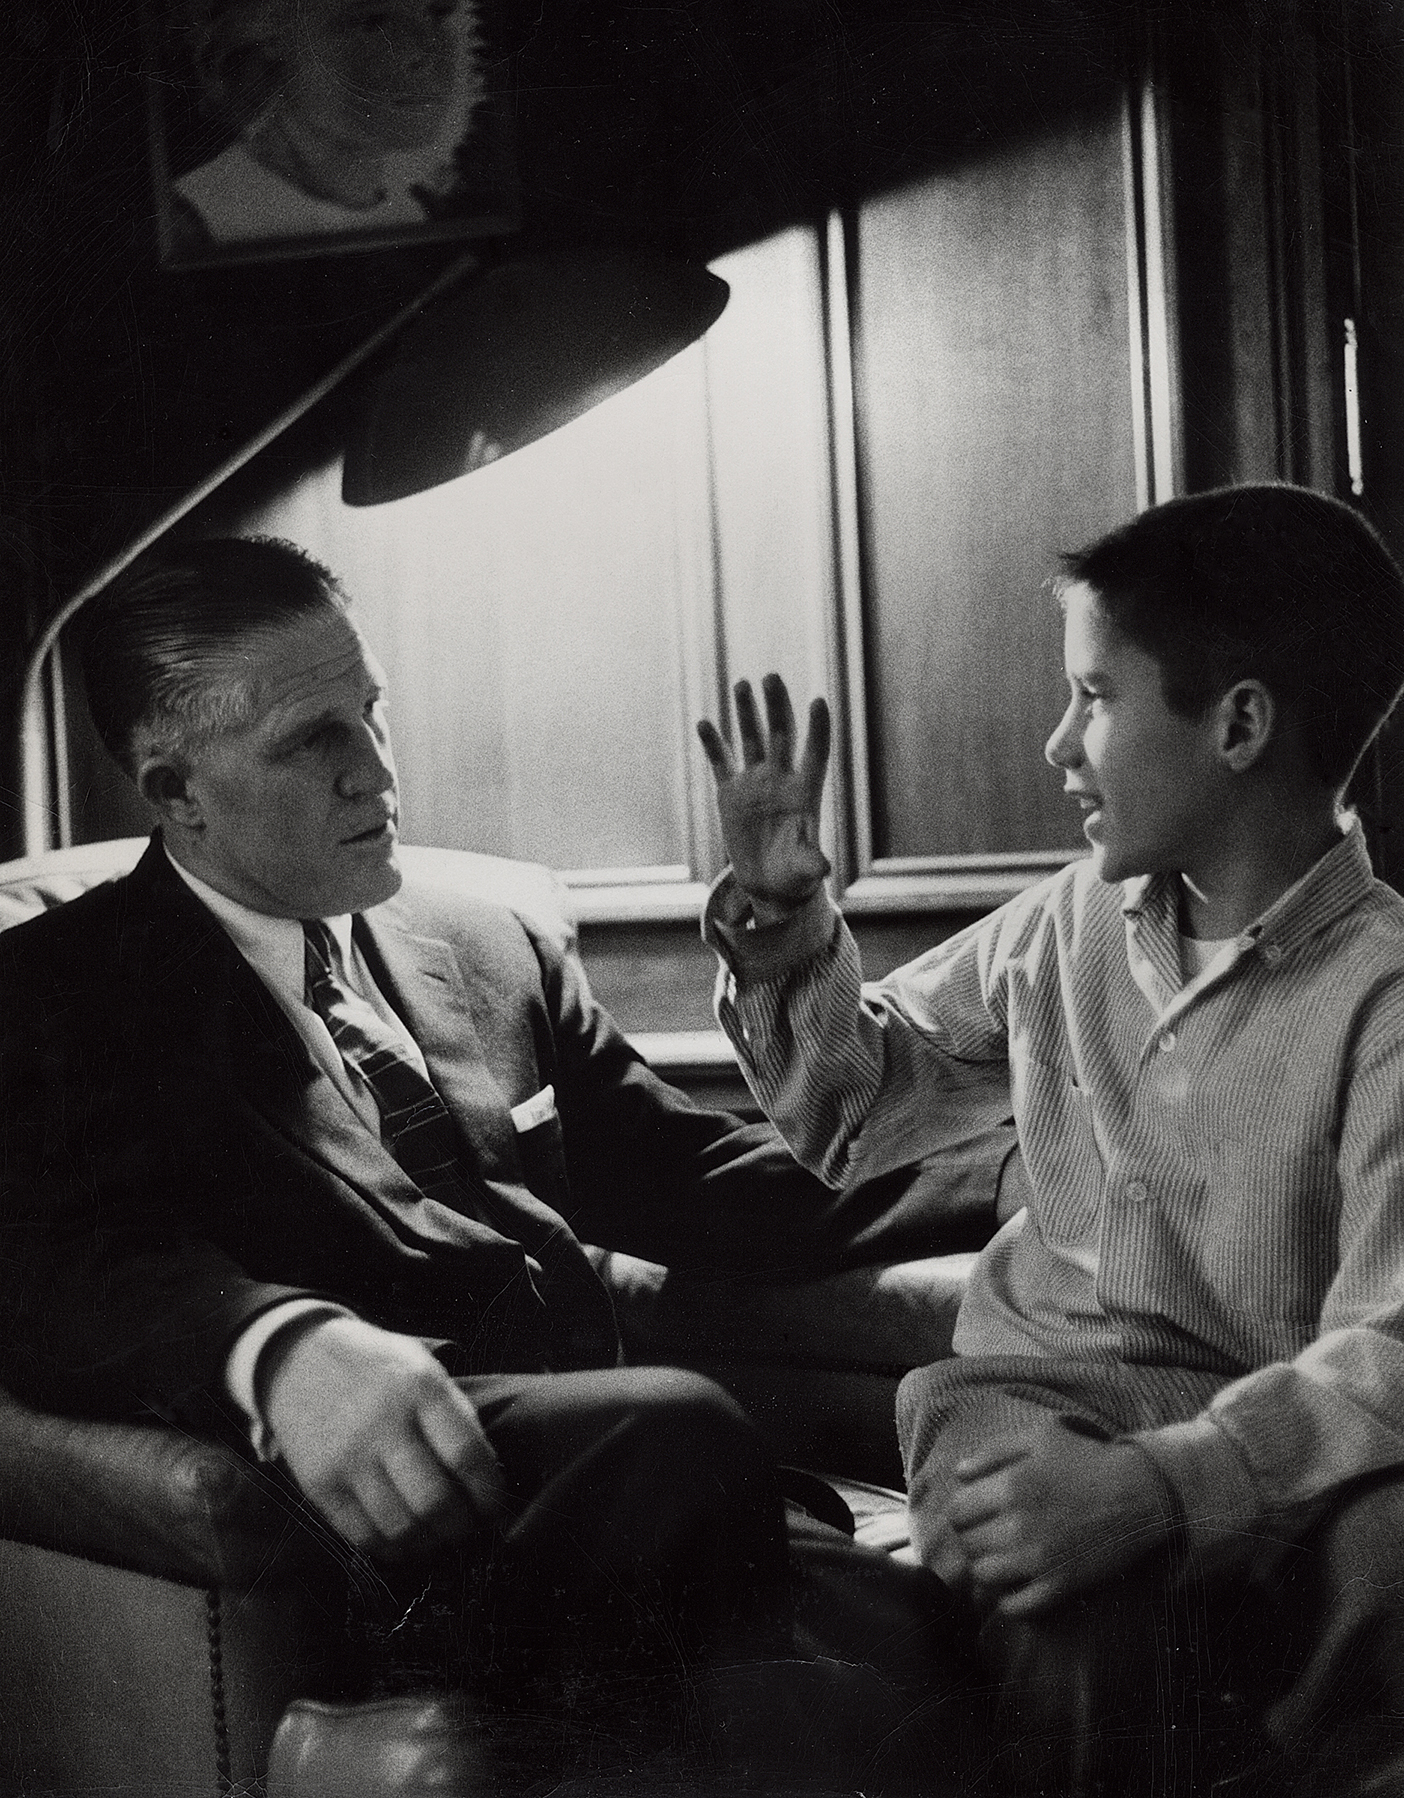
point(769, 807)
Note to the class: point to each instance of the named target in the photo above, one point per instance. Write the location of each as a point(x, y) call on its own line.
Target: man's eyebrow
point(372, 694)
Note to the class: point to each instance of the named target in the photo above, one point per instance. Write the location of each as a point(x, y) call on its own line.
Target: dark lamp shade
point(512, 354)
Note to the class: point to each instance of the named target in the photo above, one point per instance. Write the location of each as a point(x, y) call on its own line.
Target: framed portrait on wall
point(297, 127)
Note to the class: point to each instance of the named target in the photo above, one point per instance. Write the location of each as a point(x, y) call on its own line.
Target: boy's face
point(1148, 780)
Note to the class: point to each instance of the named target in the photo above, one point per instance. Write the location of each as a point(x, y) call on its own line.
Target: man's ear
point(163, 784)
point(1244, 719)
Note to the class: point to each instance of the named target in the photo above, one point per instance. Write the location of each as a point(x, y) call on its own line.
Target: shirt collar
point(1335, 883)
point(273, 947)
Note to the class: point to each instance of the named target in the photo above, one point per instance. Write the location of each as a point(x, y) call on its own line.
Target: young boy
point(1183, 1360)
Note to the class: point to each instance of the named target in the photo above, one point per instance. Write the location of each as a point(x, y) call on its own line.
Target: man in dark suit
point(295, 1148)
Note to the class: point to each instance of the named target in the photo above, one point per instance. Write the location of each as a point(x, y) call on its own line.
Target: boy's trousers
point(1163, 1684)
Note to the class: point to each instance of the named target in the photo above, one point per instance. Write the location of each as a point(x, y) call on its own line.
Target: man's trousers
point(640, 1598)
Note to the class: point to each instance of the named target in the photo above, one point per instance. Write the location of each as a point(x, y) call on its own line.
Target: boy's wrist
point(756, 953)
point(1172, 1510)
point(767, 911)
point(1220, 1511)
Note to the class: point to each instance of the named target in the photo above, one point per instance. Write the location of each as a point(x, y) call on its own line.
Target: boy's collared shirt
point(1216, 1168)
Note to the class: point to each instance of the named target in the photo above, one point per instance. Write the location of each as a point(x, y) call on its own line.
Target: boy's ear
point(163, 785)
point(1244, 720)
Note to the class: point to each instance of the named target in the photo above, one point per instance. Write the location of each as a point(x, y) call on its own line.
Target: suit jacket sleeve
point(655, 1175)
point(113, 1299)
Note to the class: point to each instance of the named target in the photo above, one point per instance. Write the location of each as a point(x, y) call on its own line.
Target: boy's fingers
point(990, 1460)
point(780, 718)
point(748, 725)
point(815, 760)
point(717, 752)
point(976, 1506)
point(984, 1528)
point(999, 1572)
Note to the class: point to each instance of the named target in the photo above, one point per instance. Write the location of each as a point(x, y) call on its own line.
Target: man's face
point(1148, 780)
point(296, 813)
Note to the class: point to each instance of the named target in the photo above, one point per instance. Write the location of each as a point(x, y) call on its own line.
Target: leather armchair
point(163, 1600)
point(160, 1605)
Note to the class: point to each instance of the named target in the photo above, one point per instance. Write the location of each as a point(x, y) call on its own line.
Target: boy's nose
point(1064, 748)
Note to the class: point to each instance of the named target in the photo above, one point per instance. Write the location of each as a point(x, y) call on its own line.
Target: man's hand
point(769, 808)
point(1040, 1516)
point(379, 1438)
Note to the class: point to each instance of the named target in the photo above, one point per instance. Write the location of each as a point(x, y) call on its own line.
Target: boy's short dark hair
point(1271, 582)
point(155, 645)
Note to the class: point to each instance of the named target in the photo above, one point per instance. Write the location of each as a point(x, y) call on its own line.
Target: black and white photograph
point(702, 899)
point(292, 127)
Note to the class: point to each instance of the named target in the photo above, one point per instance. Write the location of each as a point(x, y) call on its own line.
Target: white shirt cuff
point(241, 1369)
point(755, 955)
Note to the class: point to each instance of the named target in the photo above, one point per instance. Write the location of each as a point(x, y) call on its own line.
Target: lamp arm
point(35, 774)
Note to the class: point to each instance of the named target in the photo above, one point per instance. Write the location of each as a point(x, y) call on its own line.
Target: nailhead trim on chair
point(224, 1780)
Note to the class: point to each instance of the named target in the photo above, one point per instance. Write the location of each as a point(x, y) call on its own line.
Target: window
point(862, 477)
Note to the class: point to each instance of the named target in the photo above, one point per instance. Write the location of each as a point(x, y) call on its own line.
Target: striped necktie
point(414, 1123)
point(416, 1128)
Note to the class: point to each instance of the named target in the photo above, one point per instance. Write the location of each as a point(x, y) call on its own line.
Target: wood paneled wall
point(995, 427)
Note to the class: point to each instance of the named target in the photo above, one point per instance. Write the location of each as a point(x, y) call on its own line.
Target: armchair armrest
point(865, 1319)
point(146, 1498)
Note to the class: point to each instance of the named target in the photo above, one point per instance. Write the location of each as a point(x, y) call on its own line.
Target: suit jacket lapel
point(426, 986)
point(254, 1050)
point(188, 961)
point(422, 980)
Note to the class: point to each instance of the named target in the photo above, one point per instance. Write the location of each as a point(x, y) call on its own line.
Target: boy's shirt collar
point(1334, 884)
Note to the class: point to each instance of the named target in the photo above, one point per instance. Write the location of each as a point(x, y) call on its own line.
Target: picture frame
point(284, 128)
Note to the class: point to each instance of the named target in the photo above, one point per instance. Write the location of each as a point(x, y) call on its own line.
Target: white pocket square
point(535, 1110)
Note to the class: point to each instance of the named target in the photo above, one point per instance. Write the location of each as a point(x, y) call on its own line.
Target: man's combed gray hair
point(161, 646)
point(194, 699)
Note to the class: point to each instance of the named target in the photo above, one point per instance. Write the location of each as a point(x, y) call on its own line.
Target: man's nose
point(370, 770)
